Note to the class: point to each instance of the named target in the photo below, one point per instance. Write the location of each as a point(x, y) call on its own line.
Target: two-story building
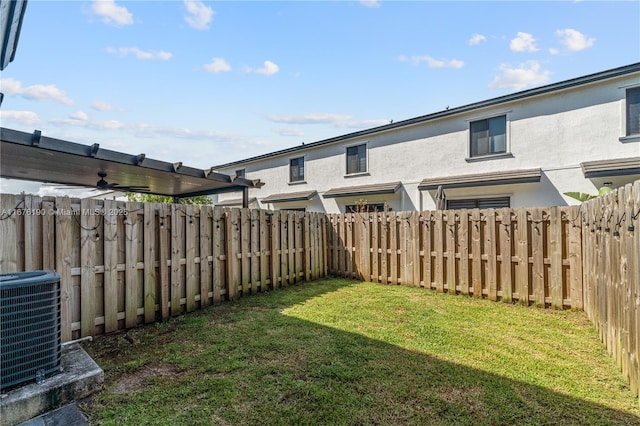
point(519, 150)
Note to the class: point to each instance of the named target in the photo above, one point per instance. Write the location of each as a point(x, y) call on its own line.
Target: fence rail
point(122, 264)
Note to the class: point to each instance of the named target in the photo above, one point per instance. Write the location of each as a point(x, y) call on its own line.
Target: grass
point(342, 352)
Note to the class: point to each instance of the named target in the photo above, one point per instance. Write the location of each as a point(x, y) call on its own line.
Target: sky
point(207, 83)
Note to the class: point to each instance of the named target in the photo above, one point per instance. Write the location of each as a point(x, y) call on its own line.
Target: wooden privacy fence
point(611, 259)
point(529, 255)
point(121, 264)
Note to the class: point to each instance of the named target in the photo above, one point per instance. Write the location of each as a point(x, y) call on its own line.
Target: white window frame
point(623, 115)
point(304, 179)
point(366, 159)
point(507, 135)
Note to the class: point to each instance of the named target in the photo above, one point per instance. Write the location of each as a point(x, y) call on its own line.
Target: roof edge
point(536, 91)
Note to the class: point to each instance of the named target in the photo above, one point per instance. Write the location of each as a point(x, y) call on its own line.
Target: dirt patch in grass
point(138, 381)
point(469, 398)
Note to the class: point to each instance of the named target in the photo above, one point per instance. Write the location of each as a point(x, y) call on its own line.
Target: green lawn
point(343, 352)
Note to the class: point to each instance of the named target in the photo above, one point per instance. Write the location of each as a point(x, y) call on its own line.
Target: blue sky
point(211, 82)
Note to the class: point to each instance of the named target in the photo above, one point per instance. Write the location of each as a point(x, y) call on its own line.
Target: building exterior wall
point(555, 132)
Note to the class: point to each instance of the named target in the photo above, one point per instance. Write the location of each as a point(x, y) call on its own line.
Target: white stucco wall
point(554, 132)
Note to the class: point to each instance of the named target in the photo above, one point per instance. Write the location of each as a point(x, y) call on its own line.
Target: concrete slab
point(69, 415)
point(80, 377)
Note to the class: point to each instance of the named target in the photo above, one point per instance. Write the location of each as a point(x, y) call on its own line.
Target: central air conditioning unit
point(29, 327)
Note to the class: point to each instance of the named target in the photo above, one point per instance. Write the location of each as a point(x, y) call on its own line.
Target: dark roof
point(350, 191)
point(38, 158)
point(567, 84)
point(607, 168)
point(10, 26)
point(482, 179)
point(291, 196)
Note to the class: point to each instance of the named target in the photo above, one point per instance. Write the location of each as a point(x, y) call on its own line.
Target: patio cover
point(376, 189)
point(616, 167)
point(291, 196)
point(38, 158)
point(482, 179)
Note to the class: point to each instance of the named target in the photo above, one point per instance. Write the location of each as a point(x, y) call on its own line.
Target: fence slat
point(149, 262)
point(164, 255)
point(8, 233)
point(555, 280)
point(575, 256)
point(450, 229)
point(87, 269)
point(33, 235)
point(48, 236)
point(505, 255)
point(275, 250)
point(476, 249)
point(537, 250)
point(463, 244)
point(264, 268)
point(64, 248)
point(177, 226)
point(131, 268)
point(438, 242)
point(233, 231)
point(393, 246)
point(384, 245)
point(245, 251)
point(490, 239)
point(205, 232)
point(218, 230)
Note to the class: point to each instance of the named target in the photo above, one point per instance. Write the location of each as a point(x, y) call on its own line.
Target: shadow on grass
point(248, 363)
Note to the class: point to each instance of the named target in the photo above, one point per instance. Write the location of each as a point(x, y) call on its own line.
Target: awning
point(10, 24)
point(291, 196)
point(482, 179)
point(234, 202)
point(607, 168)
point(350, 191)
point(38, 158)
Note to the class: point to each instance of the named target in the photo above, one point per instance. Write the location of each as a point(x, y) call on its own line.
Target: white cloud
point(140, 54)
point(431, 62)
point(37, 92)
point(102, 106)
point(370, 3)
point(28, 118)
point(218, 65)
point(524, 42)
point(554, 51)
point(527, 74)
point(269, 68)
point(95, 125)
point(574, 40)
point(336, 120)
point(476, 39)
point(289, 131)
point(79, 115)
point(199, 16)
point(112, 13)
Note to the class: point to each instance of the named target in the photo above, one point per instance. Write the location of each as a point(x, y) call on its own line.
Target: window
point(479, 203)
point(633, 111)
point(240, 173)
point(365, 208)
point(489, 136)
point(296, 169)
point(357, 159)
